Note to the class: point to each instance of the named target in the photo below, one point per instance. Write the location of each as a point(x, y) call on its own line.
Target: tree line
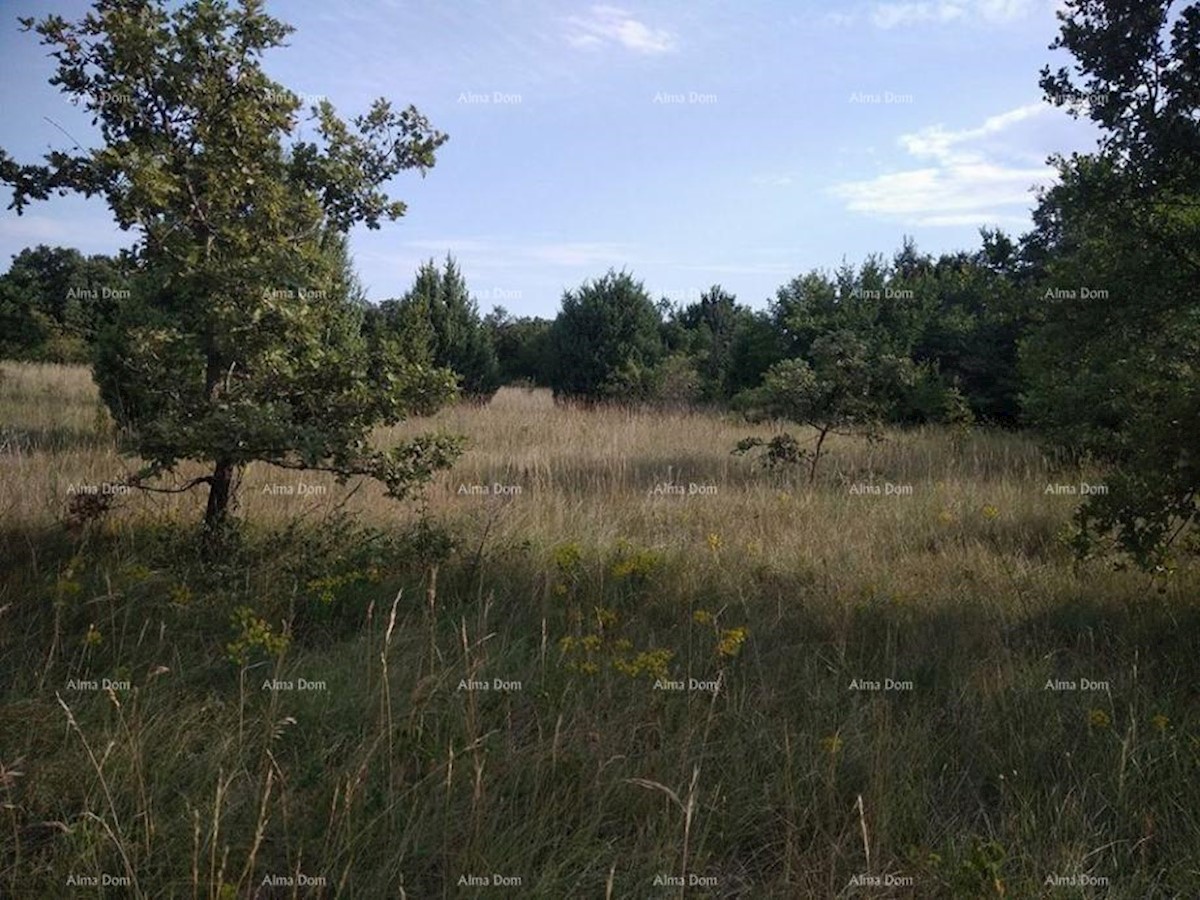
point(234, 329)
point(949, 328)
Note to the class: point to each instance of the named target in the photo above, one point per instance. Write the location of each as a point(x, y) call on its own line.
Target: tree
point(458, 338)
point(888, 308)
point(606, 340)
point(711, 325)
point(241, 341)
point(1114, 368)
point(757, 345)
point(840, 389)
point(975, 318)
point(53, 302)
point(522, 347)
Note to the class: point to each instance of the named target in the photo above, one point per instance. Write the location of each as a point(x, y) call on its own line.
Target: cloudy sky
point(691, 143)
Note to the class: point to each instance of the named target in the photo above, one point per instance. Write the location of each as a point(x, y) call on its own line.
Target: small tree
point(242, 340)
point(606, 339)
point(842, 390)
point(458, 338)
point(710, 325)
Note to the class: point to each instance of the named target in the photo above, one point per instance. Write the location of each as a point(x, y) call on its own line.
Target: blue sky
point(691, 143)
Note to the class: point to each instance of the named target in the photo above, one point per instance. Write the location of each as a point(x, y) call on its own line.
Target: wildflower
point(832, 744)
point(253, 633)
point(588, 667)
point(566, 644)
point(652, 663)
point(181, 594)
point(702, 617)
point(946, 517)
point(591, 643)
point(731, 640)
point(93, 636)
point(714, 542)
point(1160, 722)
point(639, 564)
point(567, 557)
point(605, 617)
point(990, 512)
point(1098, 718)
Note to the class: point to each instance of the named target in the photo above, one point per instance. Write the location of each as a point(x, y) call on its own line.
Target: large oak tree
point(241, 341)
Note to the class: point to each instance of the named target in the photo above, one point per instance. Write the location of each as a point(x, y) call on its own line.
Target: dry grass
point(585, 587)
point(590, 475)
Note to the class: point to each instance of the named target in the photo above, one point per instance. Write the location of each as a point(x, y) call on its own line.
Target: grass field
point(642, 668)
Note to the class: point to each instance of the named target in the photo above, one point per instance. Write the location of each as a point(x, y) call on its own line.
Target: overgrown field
point(698, 672)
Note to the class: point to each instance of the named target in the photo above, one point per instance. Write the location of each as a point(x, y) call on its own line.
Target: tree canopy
point(239, 342)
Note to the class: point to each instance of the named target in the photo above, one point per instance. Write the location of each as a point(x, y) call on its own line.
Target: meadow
point(601, 657)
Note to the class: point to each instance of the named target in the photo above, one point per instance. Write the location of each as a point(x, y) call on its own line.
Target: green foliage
point(242, 339)
point(253, 635)
point(523, 347)
point(438, 316)
point(1112, 369)
point(705, 332)
point(756, 346)
point(53, 301)
point(956, 318)
point(780, 453)
point(844, 389)
point(606, 340)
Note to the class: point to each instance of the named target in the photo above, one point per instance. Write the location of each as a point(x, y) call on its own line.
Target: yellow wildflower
point(1098, 718)
point(731, 640)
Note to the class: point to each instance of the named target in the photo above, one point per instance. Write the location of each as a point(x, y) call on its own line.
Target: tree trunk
point(812, 470)
point(220, 497)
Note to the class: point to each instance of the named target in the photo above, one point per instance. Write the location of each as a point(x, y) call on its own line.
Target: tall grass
point(587, 597)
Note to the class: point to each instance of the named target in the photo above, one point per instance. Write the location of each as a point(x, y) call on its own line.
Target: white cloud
point(924, 12)
point(974, 176)
point(893, 15)
point(935, 142)
point(612, 25)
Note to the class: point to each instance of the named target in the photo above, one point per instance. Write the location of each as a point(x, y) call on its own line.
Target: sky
point(690, 143)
